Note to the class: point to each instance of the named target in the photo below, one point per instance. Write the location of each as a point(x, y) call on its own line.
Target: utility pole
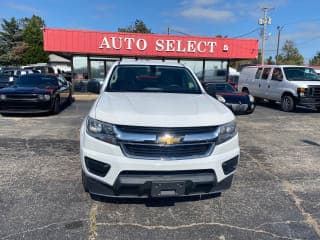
point(279, 30)
point(264, 21)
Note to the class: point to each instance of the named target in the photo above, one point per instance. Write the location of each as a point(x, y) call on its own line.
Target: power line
point(310, 40)
point(306, 20)
point(176, 31)
point(248, 33)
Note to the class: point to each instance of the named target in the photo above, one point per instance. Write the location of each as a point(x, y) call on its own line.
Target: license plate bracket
point(167, 189)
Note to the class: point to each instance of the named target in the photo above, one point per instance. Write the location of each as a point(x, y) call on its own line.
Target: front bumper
point(25, 106)
point(128, 177)
point(160, 184)
point(309, 101)
point(241, 108)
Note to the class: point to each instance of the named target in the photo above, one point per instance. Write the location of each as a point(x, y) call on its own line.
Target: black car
point(9, 75)
point(6, 80)
point(35, 93)
point(240, 103)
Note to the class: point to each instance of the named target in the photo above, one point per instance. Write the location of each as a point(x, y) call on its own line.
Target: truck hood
point(160, 109)
point(306, 83)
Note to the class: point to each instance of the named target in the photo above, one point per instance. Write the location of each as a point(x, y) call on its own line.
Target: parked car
point(290, 85)
point(9, 75)
point(35, 93)
point(94, 83)
point(44, 69)
point(213, 75)
point(233, 81)
point(240, 103)
point(154, 132)
point(6, 80)
point(219, 75)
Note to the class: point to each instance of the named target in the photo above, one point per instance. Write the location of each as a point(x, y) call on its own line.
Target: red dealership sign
point(147, 45)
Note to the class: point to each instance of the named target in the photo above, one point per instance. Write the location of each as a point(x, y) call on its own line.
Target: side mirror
point(94, 87)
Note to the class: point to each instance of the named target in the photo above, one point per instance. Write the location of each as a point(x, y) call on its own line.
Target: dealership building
point(92, 53)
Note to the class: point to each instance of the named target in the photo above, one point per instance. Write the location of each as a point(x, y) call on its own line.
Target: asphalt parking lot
point(275, 194)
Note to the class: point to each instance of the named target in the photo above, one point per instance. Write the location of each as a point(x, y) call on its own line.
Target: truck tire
point(288, 103)
point(56, 106)
point(245, 90)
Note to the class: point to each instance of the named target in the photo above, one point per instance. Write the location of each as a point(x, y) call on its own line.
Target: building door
point(100, 68)
point(97, 69)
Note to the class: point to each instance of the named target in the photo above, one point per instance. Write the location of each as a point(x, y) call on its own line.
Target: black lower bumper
point(309, 101)
point(25, 107)
point(160, 184)
point(241, 108)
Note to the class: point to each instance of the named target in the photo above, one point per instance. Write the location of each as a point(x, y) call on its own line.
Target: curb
point(85, 96)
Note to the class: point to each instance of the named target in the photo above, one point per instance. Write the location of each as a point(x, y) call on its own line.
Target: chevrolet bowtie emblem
point(169, 139)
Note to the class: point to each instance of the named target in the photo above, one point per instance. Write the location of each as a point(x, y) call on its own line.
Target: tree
point(10, 38)
point(32, 36)
point(270, 61)
point(315, 61)
point(290, 54)
point(137, 27)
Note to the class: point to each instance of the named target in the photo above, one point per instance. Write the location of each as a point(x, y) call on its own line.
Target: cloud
point(205, 2)
point(205, 9)
point(22, 7)
point(302, 32)
point(205, 13)
point(103, 7)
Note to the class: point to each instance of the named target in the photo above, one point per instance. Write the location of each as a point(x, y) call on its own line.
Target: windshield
point(214, 88)
point(39, 81)
point(300, 74)
point(151, 78)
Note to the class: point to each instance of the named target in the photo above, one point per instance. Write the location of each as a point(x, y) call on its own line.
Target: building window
point(195, 65)
point(215, 71)
point(80, 73)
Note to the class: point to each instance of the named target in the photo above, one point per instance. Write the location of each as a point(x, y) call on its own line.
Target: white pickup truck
point(154, 132)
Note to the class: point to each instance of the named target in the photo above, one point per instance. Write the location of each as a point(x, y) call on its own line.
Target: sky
point(299, 21)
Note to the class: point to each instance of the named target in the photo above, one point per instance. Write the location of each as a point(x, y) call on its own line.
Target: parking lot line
point(93, 221)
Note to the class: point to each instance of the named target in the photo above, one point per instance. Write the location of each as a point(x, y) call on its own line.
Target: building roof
point(57, 59)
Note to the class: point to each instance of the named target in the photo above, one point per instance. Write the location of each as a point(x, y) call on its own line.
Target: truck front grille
point(167, 152)
point(144, 142)
point(315, 92)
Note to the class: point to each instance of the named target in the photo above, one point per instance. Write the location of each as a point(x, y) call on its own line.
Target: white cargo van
point(288, 84)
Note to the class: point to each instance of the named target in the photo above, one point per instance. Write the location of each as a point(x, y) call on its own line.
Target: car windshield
point(300, 74)
point(39, 81)
point(220, 87)
point(152, 78)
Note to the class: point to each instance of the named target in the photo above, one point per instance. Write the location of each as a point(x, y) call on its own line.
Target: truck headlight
point(227, 131)
point(101, 130)
point(302, 92)
point(220, 98)
point(3, 97)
